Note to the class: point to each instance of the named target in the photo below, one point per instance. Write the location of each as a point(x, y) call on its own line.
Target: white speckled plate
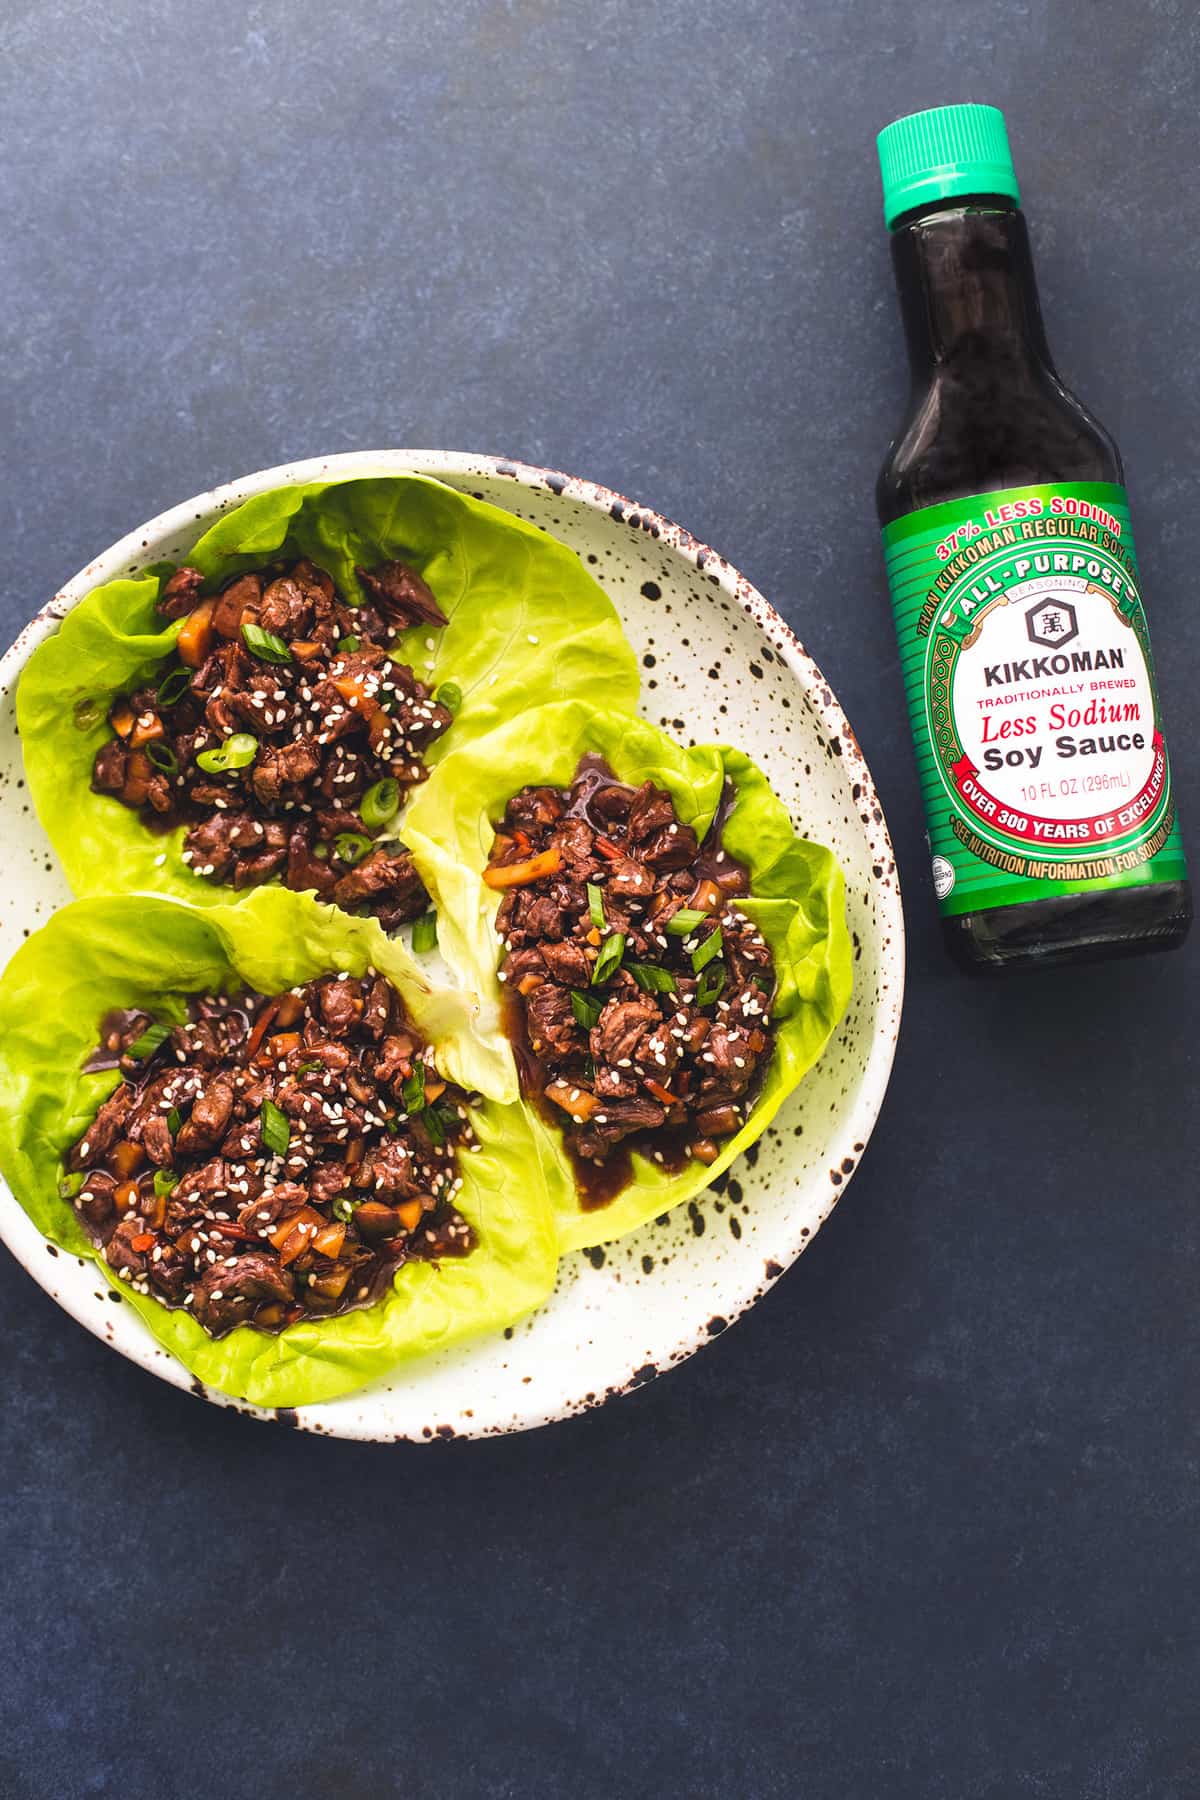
point(718, 664)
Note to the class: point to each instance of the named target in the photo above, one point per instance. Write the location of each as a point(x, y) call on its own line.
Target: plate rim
point(819, 696)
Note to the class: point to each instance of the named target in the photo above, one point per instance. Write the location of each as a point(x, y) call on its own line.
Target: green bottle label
point(1032, 696)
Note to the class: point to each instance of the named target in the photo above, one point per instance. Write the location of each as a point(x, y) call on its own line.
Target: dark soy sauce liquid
point(988, 411)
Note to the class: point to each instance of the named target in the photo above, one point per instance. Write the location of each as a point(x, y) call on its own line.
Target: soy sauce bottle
point(1015, 588)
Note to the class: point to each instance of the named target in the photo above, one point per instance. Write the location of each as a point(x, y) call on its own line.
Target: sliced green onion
point(69, 1186)
point(344, 1208)
point(174, 687)
point(450, 696)
point(351, 846)
point(586, 1009)
point(321, 852)
point(393, 1125)
point(651, 979)
point(163, 757)
point(425, 932)
point(434, 1125)
point(87, 714)
point(308, 1068)
point(685, 921)
point(348, 645)
point(164, 1181)
point(596, 906)
point(709, 987)
point(174, 1120)
point(609, 959)
point(265, 645)
point(276, 1132)
point(148, 1043)
point(237, 752)
point(589, 1069)
point(704, 952)
point(414, 1089)
point(380, 803)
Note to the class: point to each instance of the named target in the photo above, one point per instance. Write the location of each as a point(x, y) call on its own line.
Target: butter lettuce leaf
point(526, 624)
point(798, 904)
point(153, 953)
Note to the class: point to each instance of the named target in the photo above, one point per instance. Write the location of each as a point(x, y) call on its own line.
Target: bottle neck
point(967, 289)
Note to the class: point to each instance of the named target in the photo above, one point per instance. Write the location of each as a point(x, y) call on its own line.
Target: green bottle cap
point(948, 150)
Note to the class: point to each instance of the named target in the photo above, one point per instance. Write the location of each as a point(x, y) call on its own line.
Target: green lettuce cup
point(525, 623)
point(798, 904)
point(96, 955)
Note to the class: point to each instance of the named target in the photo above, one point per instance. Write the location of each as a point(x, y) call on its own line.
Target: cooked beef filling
point(272, 1159)
point(641, 994)
point(286, 736)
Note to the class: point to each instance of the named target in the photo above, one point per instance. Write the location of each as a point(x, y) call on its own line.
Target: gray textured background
point(925, 1525)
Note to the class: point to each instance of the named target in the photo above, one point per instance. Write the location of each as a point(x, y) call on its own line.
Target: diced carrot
point(126, 1196)
point(577, 1101)
point(157, 1211)
point(196, 634)
point(296, 1243)
point(264, 1019)
point(269, 1315)
point(410, 1214)
point(593, 937)
point(304, 650)
point(283, 1231)
point(306, 1221)
point(529, 982)
point(661, 1093)
point(139, 773)
point(148, 730)
point(519, 874)
point(522, 840)
point(329, 1240)
point(353, 687)
point(379, 729)
point(143, 1241)
point(608, 849)
point(707, 897)
point(282, 1042)
point(434, 1089)
point(126, 1158)
point(122, 720)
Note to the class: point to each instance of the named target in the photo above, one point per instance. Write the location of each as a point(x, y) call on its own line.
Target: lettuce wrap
point(153, 953)
point(526, 623)
point(798, 905)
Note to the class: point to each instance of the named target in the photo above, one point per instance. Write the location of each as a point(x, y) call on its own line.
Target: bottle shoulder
point(984, 427)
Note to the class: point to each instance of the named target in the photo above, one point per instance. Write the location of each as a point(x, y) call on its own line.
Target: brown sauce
point(115, 1028)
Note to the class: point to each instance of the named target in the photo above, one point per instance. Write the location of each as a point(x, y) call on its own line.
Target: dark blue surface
point(925, 1524)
